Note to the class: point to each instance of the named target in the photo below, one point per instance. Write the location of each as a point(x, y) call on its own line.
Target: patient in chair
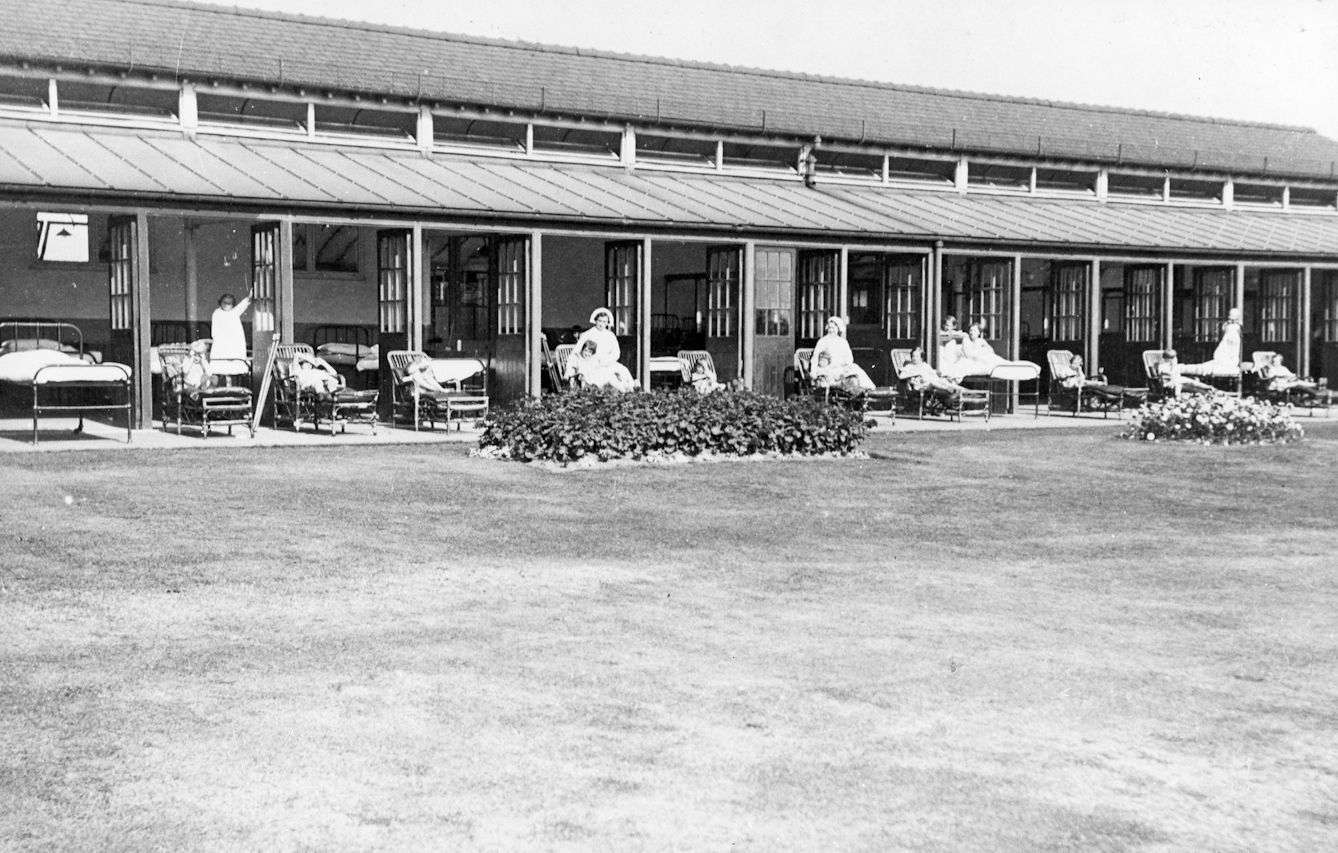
point(1172, 379)
point(195, 375)
point(424, 381)
point(919, 376)
point(704, 380)
point(1282, 379)
point(1098, 387)
point(315, 375)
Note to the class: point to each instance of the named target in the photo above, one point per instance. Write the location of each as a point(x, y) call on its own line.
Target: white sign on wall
point(62, 237)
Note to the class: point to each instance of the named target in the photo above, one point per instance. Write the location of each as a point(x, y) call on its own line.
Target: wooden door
point(724, 276)
point(122, 232)
point(903, 312)
point(987, 300)
point(773, 318)
point(511, 283)
point(1324, 326)
point(622, 295)
point(1272, 316)
point(816, 291)
point(264, 285)
point(1201, 307)
point(1138, 326)
point(1066, 315)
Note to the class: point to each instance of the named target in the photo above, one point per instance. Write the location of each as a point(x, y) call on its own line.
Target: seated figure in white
point(315, 375)
point(919, 376)
point(595, 360)
point(1282, 379)
point(1226, 358)
point(833, 364)
point(703, 379)
point(1174, 380)
point(977, 357)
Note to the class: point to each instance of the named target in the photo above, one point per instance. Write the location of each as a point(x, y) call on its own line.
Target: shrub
point(1215, 419)
point(593, 423)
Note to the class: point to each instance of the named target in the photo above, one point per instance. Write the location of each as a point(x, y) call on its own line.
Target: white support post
point(1102, 184)
point(53, 98)
point(311, 120)
point(534, 328)
point(933, 304)
point(1228, 194)
point(1286, 197)
point(529, 140)
point(1238, 294)
point(887, 169)
point(748, 324)
point(1304, 330)
point(961, 175)
point(843, 284)
point(1094, 318)
point(1031, 184)
point(643, 314)
point(627, 147)
point(720, 155)
point(1168, 307)
point(189, 236)
point(426, 135)
point(417, 317)
point(1166, 190)
point(283, 284)
point(188, 111)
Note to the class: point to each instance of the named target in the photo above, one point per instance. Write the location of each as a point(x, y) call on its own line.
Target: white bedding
point(451, 370)
point(15, 345)
point(370, 359)
point(23, 367)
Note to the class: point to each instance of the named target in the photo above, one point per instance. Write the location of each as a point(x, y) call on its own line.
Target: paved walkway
point(57, 434)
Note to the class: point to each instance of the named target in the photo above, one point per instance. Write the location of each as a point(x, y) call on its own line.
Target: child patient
point(195, 374)
point(1283, 379)
point(704, 380)
point(1172, 379)
point(315, 375)
point(919, 376)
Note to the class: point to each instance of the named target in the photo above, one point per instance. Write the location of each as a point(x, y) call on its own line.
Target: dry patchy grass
point(1053, 641)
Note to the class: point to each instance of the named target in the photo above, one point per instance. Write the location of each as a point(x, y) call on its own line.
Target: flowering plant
point(1214, 419)
point(595, 424)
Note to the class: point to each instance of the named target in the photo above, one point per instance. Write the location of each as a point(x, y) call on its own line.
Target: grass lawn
point(969, 642)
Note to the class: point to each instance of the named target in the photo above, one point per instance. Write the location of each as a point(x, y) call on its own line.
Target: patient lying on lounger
point(919, 376)
point(1281, 379)
point(315, 375)
point(1098, 387)
point(1177, 383)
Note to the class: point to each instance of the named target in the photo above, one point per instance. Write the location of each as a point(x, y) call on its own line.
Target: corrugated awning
point(168, 168)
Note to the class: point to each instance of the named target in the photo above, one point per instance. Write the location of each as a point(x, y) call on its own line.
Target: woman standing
point(226, 329)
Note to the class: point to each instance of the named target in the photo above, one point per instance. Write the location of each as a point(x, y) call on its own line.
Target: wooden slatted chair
point(467, 398)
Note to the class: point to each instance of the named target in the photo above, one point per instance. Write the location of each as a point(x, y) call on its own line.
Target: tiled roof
point(159, 167)
point(204, 41)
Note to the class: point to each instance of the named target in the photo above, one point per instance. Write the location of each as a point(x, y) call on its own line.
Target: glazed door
point(264, 284)
point(393, 266)
point(1066, 315)
point(622, 288)
point(511, 284)
point(724, 273)
point(1271, 314)
point(903, 307)
point(1139, 325)
point(1324, 326)
point(1200, 310)
point(816, 289)
point(773, 318)
point(122, 232)
point(986, 300)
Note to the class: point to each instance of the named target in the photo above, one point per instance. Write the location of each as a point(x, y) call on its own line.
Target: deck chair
point(1262, 361)
point(924, 401)
point(1156, 388)
point(555, 383)
point(801, 371)
point(1074, 400)
point(466, 398)
point(688, 359)
point(204, 409)
point(560, 357)
point(293, 405)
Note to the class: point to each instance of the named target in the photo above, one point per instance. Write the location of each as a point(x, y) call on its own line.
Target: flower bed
point(591, 423)
point(1214, 419)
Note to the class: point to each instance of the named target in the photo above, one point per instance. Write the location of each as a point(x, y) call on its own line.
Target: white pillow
point(22, 366)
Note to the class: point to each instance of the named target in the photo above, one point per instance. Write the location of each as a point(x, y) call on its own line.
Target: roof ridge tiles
point(599, 53)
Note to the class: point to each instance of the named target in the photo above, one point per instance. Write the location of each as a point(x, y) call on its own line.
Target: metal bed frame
point(11, 330)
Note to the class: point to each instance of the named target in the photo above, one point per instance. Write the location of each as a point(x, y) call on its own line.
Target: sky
point(1271, 61)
